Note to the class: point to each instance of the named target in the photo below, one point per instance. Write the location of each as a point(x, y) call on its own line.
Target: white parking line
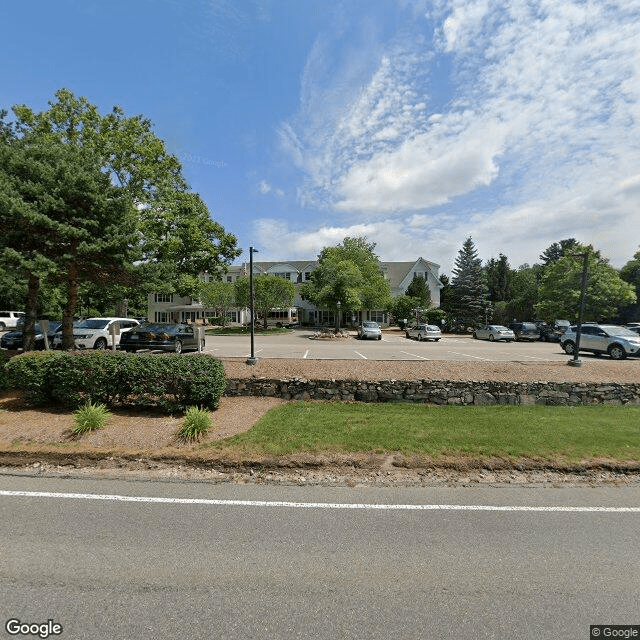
point(306, 353)
point(248, 355)
point(467, 355)
point(315, 505)
point(414, 355)
point(363, 357)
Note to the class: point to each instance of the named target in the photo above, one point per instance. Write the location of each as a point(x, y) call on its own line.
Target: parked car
point(494, 332)
point(553, 332)
point(618, 342)
point(165, 336)
point(525, 330)
point(424, 332)
point(635, 328)
point(369, 330)
point(9, 319)
point(95, 333)
point(15, 339)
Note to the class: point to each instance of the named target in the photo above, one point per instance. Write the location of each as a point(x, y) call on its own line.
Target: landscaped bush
point(145, 380)
point(4, 377)
point(195, 423)
point(89, 418)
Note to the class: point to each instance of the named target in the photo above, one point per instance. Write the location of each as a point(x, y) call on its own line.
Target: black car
point(160, 335)
point(15, 339)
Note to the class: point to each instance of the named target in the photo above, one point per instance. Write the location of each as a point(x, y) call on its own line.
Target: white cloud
point(533, 136)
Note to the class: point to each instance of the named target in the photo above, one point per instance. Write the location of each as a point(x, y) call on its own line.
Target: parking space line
point(414, 355)
point(467, 355)
point(306, 353)
point(248, 355)
point(363, 357)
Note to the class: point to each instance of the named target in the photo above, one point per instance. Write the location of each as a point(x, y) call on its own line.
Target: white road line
point(363, 357)
point(316, 505)
point(466, 355)
point(414, 355)
point(248, 355)
point(306, 353)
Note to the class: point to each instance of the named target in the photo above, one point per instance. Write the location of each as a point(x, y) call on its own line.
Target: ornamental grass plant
point(89, 418)
point(196, 423)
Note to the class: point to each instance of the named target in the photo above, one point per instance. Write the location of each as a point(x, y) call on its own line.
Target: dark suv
point(525, 330)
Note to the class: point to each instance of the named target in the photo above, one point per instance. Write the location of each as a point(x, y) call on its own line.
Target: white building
point(173, 308)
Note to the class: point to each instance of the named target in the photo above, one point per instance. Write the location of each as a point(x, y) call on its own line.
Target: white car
point(369, 330)
point(424, 332)
point(95, 333)
point(9, 319)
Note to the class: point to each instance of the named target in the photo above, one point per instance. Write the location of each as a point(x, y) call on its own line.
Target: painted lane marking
point(414, 355)
point(363, 357)
point(306, 353)
point(248, 355)
point(315, 505)
point(467, 355)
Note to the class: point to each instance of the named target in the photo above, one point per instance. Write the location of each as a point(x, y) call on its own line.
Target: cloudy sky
point(416, 123)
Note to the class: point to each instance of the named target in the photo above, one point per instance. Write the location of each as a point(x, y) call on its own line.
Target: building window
point(229, 278)
point(286, 275)
point(161, 316)
point(378, 316)
point(164, 297)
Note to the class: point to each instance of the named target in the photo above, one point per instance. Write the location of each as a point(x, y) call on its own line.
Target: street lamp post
point(338, 305)
point(575, 361)
point(252, 358)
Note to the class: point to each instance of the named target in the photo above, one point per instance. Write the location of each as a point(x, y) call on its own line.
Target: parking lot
point(393, 346)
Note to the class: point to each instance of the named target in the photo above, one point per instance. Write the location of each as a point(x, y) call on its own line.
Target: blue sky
point(415, 123)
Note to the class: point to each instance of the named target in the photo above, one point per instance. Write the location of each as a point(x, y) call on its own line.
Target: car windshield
point(620, 331)
point(431, 327)
point(499, 327)
point(370, 325)
point(93, 324)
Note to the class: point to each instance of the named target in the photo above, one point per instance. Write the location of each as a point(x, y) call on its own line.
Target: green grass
point(244, 331)
point(195, 423)
point(570, 434)
point(89, 418)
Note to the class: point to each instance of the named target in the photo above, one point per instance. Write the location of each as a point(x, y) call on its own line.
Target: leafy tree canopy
point(348, 273)
point(559, 294)
point(270, 292)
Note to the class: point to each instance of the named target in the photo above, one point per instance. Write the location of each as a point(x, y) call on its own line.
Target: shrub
point(145, 380)
point(4, 376)
point(90, 417)
point(196, 422)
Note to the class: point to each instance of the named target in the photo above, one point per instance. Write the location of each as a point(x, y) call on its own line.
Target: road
point(393, 346)
point(225, 561)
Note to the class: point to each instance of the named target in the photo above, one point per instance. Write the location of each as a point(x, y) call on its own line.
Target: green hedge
point(4, 376)
point(75, 378)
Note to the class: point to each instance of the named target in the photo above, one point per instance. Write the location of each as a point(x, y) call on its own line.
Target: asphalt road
point(393, 346)
point(108, 569)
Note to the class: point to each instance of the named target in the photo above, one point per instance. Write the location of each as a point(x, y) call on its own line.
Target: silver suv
point(618, 342)
point(95, 333)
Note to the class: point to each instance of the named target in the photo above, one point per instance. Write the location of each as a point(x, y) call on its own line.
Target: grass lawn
point(568, 434)
point(244, 331)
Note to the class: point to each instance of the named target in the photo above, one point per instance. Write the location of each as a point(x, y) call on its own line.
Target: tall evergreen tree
point(469, 304)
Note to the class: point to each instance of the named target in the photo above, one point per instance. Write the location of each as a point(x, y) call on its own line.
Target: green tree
point(404, 308)
point(270, 292)
point(558, 250)
point(560, 287)
point(419, 289)
point(469, 302)
point(220, 296)
point(631, 273)
point(523, 293)
point(499, 277)
point(136, 160)
point(349, 273)
point(62, 218)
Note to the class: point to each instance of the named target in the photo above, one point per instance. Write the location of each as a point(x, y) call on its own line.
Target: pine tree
point(469, 304)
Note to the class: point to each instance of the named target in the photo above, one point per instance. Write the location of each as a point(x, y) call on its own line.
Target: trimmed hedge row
point(75, 378)
point(4, 376)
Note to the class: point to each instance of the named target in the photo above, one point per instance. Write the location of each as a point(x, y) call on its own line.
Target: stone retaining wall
point(440, 392)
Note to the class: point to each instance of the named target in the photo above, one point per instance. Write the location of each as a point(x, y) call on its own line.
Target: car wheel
point(379, 337)
point(436, 339)
point(491, 338)
point(475, 337)
point(177, 347)
point(406, 333)
point(101, 343)
point(569, 348)
point(419, 337)
point(617, 352)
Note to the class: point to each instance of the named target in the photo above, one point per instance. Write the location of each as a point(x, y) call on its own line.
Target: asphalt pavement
point(109, 559)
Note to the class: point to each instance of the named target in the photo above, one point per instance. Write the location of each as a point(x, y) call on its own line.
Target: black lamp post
point(576, 362)
point(252, 358)
point(338, 305)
